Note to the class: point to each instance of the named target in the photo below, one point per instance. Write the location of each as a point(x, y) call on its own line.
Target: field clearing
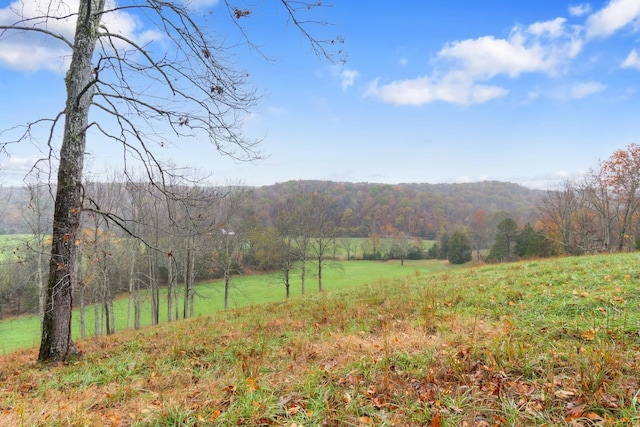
point(23, 332)
point(540, 343)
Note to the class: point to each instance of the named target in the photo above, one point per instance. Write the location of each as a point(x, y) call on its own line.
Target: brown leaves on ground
point(323, 363)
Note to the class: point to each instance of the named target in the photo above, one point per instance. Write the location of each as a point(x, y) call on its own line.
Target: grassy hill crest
point(551, 342)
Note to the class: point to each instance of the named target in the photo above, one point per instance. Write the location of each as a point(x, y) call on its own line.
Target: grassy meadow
point(24, 331)
point(539, 343)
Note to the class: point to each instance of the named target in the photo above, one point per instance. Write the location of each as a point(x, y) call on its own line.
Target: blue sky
point(432, 91)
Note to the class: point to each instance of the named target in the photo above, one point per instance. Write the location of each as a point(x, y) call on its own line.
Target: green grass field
point(23, 332)
point(537, 343)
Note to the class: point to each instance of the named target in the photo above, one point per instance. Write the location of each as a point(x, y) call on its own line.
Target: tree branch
point(37, 30)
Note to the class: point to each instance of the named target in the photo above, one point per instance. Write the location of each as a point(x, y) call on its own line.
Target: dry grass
point(502, 345)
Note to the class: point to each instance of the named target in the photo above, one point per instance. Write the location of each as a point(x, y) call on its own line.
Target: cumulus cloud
point(464, 67)
point(455, 89)
point(632, 60)
point(616, 15)
point(554, 28)
point(580, 9)
point(29, 50)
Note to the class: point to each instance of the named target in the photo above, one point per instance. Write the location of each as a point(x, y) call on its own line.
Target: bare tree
point(294, 222)
point(185, 85)
point(270, 250)
point(324, 228)
point(621, 173)
point(559, 207)
point(231, 235)
point(479, 231)
point(36, 216)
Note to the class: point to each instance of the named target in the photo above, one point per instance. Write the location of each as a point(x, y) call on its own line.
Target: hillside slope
point(423, 208)
point(550, 342)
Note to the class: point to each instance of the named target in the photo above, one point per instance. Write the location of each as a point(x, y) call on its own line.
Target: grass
point(24, 331)
point(551, 342)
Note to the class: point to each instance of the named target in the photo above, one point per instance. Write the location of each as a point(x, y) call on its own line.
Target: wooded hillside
point(417, 209)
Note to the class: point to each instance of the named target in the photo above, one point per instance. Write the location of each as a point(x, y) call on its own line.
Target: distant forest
point(419, 210)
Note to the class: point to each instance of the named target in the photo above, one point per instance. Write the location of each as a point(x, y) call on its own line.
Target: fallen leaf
point(589, 335)
point(293, 410)
point(252, 385)
point(563, 394)
point(436, 421)
point(574, 412)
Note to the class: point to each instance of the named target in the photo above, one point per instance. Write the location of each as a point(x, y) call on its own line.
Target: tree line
point(180, 85)
point(137, 238)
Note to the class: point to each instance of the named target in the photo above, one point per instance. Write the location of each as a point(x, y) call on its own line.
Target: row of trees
point(418, 210)
point(599, 212)
point(133, 237)
point(136, 237)
point(163, 77)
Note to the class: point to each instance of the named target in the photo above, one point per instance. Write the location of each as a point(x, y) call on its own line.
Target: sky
point(432, 91)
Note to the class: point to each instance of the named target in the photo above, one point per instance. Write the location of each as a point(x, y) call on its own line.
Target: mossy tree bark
point(56, 343)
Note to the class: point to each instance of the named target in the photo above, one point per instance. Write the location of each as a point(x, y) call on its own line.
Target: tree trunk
point(96, 317)
point(187, 272)
point(153, 286)
point(136, 309)
point(227, 283)
point(170, 275)
point(303, 274)
point(132, 279)
point(286, 282)
point(82, 313)
point(56, 343)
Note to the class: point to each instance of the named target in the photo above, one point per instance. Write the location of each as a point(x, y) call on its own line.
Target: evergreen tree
point(433, 251)
point(504, 247)
point(443, 253)
point(459, 248)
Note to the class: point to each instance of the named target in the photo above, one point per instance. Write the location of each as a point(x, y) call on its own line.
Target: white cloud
point(580, 9)
point(32, 51)
point(348, 78)
point(404, 61)
point(464, 66)
point(15, 169)
point(423, 90)
point(554, 28)
point(632, 60)
point(578, 90)
point(584, 89)
point(617, 14)
point(541, 47)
